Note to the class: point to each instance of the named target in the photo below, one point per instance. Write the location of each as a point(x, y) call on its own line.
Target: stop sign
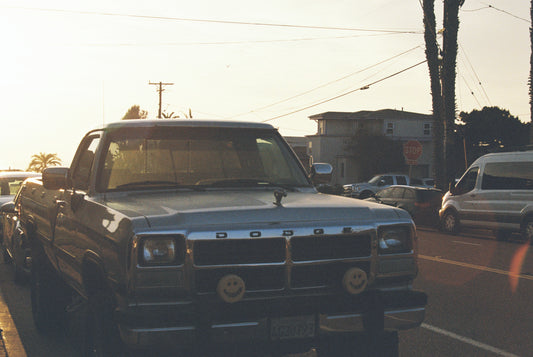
point(412, 151)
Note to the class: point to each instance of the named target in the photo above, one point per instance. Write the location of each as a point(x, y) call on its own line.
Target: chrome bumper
point(389, 318)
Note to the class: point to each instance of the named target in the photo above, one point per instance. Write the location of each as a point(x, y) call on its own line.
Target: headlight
point(159, 250)
point(394, 240)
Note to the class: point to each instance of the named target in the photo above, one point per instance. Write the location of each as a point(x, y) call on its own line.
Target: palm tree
point(442, 76)
point(449, 60)
point(41, 161)
point(432, 56)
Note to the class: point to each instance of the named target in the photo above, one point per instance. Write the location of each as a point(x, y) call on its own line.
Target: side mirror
point(381, 183)
point(55, 178)
point(8, 207)
point(321, 173)
point(452, 189)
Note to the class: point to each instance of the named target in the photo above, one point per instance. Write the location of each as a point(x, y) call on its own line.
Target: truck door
point(72, 228)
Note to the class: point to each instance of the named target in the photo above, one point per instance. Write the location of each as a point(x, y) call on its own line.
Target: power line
point(471, 91)
point(349, 92)
point(226, 22)
point(326, 84)
point(475, 74)
point(488, 6)
point(508, 13)
point(238, 42)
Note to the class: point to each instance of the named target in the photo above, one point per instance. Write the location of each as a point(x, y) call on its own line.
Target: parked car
point(15, 246)
point(495, 192)
point(422, 203)
point(364, 190)
point(10, 182)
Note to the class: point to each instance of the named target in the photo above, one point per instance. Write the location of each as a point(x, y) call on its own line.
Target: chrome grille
point(239, 251)
point(265, 264)
point(330, 247)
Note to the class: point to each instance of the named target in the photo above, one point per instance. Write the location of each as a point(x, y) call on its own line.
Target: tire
point(450, 222)
point(502, 235)
point(102, 335)
point(49, 296)
point(384, 344)
point(527, 229)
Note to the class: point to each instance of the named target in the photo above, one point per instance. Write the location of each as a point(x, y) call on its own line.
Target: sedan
point(422, 203)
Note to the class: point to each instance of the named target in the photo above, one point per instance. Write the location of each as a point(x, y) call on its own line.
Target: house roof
point(371, 115)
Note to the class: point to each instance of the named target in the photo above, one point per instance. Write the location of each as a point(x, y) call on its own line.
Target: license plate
point(284, 328)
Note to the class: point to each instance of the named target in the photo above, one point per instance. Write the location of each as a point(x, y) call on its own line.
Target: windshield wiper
point(148, 183)
point(250, 183)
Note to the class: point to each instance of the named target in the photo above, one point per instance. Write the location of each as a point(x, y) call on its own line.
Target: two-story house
point(335, 130)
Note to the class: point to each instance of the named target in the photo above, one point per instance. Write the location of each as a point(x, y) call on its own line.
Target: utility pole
point(160, 90)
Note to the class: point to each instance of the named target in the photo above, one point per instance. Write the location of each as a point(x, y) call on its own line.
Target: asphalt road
point(480, 300)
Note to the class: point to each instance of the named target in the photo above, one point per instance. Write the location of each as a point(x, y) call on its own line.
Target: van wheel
point(450, 222)
point(502, 235)
point(527, 229)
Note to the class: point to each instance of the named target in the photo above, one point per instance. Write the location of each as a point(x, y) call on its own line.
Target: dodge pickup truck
point(191, 234)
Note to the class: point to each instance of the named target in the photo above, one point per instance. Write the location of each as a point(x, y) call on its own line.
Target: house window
point(321, 128)
point(427, 129)
point(342, 169)
point(390, 129)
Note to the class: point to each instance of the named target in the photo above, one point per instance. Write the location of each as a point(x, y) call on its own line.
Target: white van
point(496, 192)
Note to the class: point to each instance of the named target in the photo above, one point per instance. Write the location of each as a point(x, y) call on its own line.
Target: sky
point(71, 66)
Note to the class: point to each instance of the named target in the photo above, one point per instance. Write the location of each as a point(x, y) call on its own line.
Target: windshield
point(375, 180)
point(139, 158)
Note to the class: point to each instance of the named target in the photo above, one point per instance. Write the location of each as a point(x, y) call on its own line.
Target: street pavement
point(10, 344)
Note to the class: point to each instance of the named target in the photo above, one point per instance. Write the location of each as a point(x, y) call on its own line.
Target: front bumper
point(250, 321)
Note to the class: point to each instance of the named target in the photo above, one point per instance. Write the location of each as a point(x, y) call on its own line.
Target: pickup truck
point(191, 234)
point(364, 190)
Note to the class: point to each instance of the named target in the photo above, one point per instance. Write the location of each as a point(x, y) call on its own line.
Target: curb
point(10, 344)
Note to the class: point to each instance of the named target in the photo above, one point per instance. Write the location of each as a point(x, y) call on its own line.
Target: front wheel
point(450, 222)
point(527, 230)
point(102, 338)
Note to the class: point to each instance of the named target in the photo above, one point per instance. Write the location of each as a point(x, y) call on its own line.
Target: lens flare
point(516, 266)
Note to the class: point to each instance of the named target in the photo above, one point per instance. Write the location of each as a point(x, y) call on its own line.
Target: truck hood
point(185, 210)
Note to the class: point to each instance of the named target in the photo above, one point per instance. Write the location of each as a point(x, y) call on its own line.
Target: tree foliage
point(135, 112)
point(375, 153)
point(41, 161)
point(491, 129)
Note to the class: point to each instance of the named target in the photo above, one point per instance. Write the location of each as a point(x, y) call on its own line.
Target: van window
point(467, 182)
point(508, 176)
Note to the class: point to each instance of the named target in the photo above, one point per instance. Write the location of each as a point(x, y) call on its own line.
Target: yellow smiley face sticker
point(354, 280)
point(231, 288)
